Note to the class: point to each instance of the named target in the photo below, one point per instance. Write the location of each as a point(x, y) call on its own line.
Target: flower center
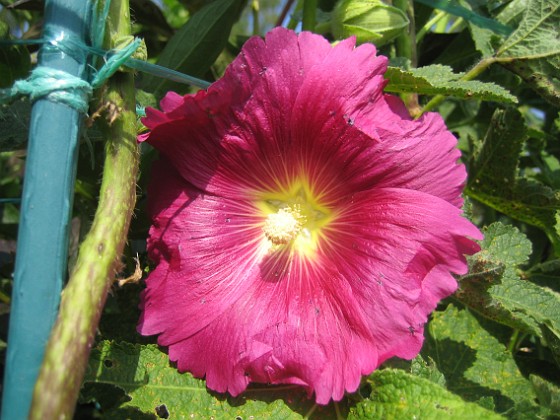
point(295, 217)
point(283, 226)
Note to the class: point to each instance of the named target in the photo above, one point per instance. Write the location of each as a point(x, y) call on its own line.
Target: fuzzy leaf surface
point(149, 381)
point(538, 34)
point(437, 79)
point(494, 288)
point(494, 178)
point(548, 394)
point(475, 363)
point(399, 395)
point(535, 49)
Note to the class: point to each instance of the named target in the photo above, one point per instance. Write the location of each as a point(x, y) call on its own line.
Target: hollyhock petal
point(304, 226)
point(400, 246)
point(211, 228)
point(420, 155)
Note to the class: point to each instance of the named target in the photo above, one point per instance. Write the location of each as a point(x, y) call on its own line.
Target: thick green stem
point(406, 47)
point(83, 298)
point(255, 10)
point(309, 15)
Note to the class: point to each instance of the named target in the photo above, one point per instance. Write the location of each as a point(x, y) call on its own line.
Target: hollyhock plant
point(304, 226)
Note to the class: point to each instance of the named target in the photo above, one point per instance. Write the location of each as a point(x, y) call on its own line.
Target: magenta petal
point(301, 129)
point(399, 247)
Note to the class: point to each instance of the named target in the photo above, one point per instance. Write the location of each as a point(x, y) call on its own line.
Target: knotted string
point(62, 87)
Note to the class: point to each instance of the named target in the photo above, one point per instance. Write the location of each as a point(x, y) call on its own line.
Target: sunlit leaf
point(438, 79)
point(398, 395)
point(149, 381)
point(537, 34)
point(475, 363)
point(534, 49)
point(494, 288)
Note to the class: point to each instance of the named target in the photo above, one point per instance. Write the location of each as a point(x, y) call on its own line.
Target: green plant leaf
point(537, 34)
point(552, 338)
point(494, 178)
point(484, 38)
point(437, 79)
point(494, 288)
point(195, 46)
point(149, 381)
point(541, 75)
point(427, 370)
point(504, 244)
point(398, 395)
point(548, 394)
point(534, 49)
point(475, 363)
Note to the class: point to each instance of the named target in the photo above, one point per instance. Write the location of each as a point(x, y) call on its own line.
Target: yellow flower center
point(283, 226)
point(294, 216)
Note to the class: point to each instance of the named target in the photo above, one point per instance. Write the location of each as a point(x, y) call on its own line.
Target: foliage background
point(492, 349)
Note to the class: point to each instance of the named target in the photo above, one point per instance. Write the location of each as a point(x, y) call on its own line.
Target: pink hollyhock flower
point(304, 226)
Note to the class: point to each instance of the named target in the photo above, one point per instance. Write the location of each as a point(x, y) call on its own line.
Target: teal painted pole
point(42, 248)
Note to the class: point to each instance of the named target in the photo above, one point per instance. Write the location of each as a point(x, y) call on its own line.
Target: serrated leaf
point(538, 33)
point(474, 362)
point(437, 79)
point(484, 38)
point(541, 75)
point(552, 339)
point(148, 379)
point(495, 164)
point(495, 182)
point(506, 245)
point(532, 304)
point(195, 46)
point(533, 50)
point(427, 370)
point(399, 395)
point(494, 289)
point(548, 394)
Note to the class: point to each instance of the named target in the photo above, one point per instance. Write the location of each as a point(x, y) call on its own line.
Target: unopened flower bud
point(368, 20)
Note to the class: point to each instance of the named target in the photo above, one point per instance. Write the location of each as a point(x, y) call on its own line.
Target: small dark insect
point(162, 411)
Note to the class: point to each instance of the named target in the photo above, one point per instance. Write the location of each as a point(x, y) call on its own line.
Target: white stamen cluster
point(283, 226)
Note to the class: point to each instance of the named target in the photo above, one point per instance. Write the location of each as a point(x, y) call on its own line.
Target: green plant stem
point(512, 345)
point(470, 75)
point(83, 298)
point(255, 8)
point(293, 23)
point(309, 15)
point(456, 25)
point(406, 47)
point(428, 25)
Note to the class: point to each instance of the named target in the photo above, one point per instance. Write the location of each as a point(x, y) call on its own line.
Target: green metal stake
point(41, 260)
